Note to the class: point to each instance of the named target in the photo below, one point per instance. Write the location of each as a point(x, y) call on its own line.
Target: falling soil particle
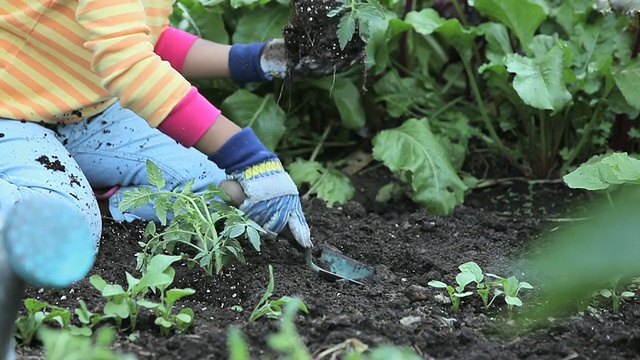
point(54, 165)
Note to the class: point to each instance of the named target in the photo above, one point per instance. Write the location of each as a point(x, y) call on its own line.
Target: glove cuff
point(241, 151)
point(244, 63)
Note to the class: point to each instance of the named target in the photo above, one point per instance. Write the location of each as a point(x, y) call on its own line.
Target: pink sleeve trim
point(173, 46)
point(190, 119)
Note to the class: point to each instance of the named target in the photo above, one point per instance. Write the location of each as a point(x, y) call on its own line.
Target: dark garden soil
point(312, 42)
point(497, 227)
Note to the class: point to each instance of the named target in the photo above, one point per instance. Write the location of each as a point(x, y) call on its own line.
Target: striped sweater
point(65, 60)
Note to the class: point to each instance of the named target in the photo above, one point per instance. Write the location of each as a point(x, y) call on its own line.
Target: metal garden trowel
point(340, 266)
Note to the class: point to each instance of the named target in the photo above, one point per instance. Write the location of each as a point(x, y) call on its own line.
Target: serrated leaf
point(302, 171)
point(262, 114)
point(154, 175)
point(331, 185)
point(523, 17)
point(540, 82)
point(412, 147)
point(346, 29)
point(627, 80)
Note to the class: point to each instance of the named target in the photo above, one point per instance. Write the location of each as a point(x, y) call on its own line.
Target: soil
point(497, 227)
point(312, 43)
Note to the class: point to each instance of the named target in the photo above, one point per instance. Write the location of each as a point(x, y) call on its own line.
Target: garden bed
point(497, 227)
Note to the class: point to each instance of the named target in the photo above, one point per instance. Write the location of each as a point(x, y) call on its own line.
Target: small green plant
point(126, 304)
point(192, 220)
point(456, 293)
point(510, 288)
point(471, 272)
point(287, 342)
point(28, 325)
point(612, 292)
point(273, 308)
point(483, 288)
point(356, 14)
point(64, 345)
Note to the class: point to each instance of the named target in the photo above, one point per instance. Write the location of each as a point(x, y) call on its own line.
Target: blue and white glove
point(272, 197)
point(263, 61)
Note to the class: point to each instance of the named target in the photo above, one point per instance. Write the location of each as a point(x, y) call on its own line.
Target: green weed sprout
point(612, 293)
point(288, 343)
point(483, 288)
point(28, 325)
point(126, 304)
point(191, 220)
point(64, 345)
point(510, 288)
point(463, 279)
point(273, 308)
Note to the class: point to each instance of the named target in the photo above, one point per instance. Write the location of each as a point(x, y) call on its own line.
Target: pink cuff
point(173, 46)
point(189, 120)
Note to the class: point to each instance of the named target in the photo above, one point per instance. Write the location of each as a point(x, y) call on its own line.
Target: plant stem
point(316, 151)
point(585, 135)
point(487, 121)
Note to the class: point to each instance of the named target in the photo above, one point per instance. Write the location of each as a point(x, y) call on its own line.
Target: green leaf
point(498, 42)
point(627, 79)
point(523, 17)
point(625, 168)
point(120, 310)
point(412, 147)
point(437, 284)
point(540, 82)
point(34, 305)
point(330, 185)
point(346, 29)
point(426, 21)
point(204, 21)
point(98, 282)
point(147, 304)
point(155, 176)
point(600, 172)
point(262, 114)
point(474, 269)
point(348, 101)
point(113, 290)
point(238, 347)
point(512, 300)
point(175, 294)
point(261, 25)
point(160, 263)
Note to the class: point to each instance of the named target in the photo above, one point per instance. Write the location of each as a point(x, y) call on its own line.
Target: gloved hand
point(263, 61)
point(272, 196)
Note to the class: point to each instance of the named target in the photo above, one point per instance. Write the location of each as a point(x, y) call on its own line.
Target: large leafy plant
point(540, 82)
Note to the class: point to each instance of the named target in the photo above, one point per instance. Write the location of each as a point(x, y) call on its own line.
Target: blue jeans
point(68, 161)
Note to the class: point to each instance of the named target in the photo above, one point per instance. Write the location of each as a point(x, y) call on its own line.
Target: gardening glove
point(272, 196)
point(263, 61)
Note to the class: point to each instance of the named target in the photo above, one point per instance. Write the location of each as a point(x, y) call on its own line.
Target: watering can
point(335, 265)
point(45, 243)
